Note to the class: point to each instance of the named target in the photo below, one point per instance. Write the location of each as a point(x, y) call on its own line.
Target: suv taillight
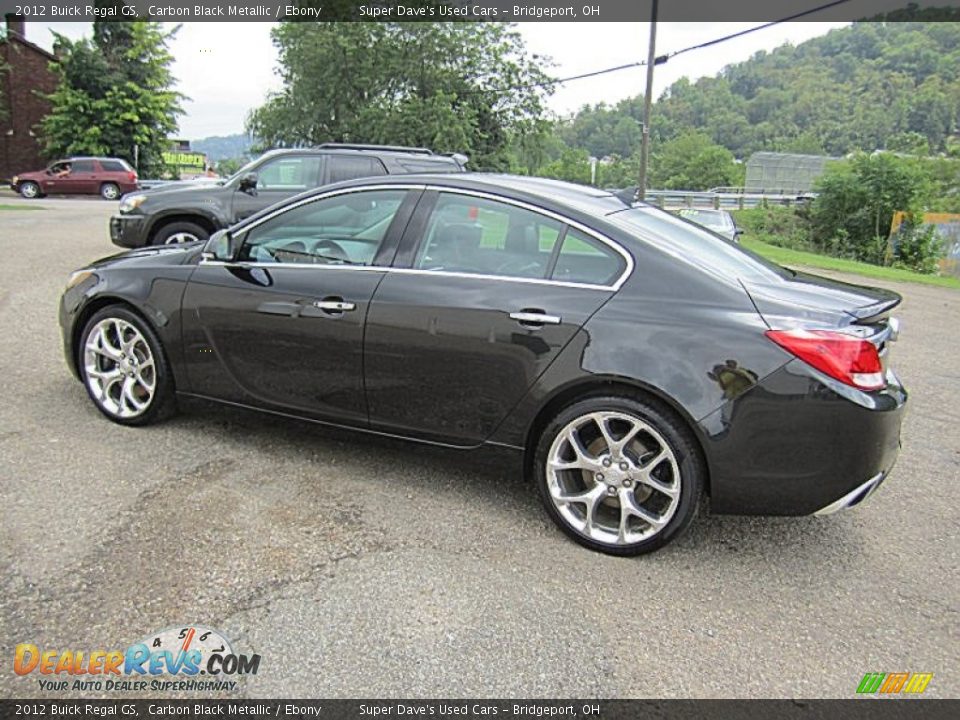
point(132, 176)
point(851, 360)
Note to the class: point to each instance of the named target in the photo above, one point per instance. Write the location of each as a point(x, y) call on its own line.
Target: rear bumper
point(128, 231)
point(799, 443)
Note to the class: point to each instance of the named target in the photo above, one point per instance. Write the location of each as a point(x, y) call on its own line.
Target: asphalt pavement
point(359, 567)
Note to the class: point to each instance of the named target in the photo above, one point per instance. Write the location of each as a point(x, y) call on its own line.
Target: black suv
point(186, 211)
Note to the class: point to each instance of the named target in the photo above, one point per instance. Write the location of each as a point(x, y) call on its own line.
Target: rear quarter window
point(583, 259)
point(349, 167)
point(429, 166)
point(114, 166)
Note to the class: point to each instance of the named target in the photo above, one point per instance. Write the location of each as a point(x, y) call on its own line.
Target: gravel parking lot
point(359, 567)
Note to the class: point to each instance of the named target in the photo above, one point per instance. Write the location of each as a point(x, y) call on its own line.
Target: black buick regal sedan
point(632, 360)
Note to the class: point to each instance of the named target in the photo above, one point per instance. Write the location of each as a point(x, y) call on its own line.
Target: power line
point(661, 59)
point(560, 81)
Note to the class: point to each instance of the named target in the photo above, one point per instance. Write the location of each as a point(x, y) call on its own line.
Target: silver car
point(719, 221)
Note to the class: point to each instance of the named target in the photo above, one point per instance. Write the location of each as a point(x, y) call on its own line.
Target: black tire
point(30, 190)
point(110, 191)
point(169, 233)
point(686, 454)
point(162, 401)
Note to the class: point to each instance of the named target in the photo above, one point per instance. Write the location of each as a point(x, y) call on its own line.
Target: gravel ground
point(362, 568)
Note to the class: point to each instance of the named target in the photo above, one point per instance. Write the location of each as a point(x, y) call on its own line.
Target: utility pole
point(647, 101)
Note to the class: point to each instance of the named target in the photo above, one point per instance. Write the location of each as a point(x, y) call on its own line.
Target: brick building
point(24, 72)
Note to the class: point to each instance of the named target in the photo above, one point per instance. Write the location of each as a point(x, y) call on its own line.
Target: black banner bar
point(479, 10)
point(856, 709)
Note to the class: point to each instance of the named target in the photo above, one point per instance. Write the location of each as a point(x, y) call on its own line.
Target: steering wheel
point(330, 250)
point(518, 267)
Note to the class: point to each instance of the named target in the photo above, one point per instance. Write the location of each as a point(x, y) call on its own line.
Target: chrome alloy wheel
point(613, 478)
point(119, 367)
point(180, 237)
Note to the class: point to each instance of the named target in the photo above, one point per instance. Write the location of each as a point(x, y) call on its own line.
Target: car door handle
point(334, 305)
point(527, 317)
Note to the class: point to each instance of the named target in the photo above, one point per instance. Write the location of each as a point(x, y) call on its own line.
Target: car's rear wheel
point(621, 475)
point(124, 368)
point(109, 191)
point(29, 190)
point(180, 232)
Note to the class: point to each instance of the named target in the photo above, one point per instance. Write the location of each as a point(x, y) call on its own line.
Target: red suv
point(107, 177)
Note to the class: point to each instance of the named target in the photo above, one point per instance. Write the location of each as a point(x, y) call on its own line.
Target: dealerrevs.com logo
point(182, 653)
point(894, 683)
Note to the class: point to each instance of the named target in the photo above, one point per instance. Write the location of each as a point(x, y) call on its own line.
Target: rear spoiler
point(460, 158)
point(877, 311)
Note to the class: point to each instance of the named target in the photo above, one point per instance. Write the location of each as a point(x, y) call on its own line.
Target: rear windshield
point(693, 244)
point(712, 219)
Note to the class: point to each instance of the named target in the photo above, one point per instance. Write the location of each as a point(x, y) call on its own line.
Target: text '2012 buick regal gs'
point(632, 360)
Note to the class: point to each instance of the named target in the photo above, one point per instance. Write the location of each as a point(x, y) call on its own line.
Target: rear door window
point(82, 166)
point(486, 237)
point(289, 173)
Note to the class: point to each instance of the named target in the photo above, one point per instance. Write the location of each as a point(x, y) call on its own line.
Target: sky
point(226, 69)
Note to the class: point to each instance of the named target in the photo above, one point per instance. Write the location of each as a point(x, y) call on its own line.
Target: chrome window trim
point(612, 287)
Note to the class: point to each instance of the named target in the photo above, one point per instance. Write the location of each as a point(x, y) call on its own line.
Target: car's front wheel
point(621, 475)
point(29, 190)
point(180, 232)
point(109, 191)
point(124, 368)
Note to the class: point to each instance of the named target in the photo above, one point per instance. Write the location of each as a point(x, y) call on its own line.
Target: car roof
point(541, 191)
point(412, 153)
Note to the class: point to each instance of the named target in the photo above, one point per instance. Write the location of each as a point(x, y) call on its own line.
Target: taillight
point(851, 360)
point(132, 177)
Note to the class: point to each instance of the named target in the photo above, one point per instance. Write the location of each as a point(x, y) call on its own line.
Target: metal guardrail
point(739, 199)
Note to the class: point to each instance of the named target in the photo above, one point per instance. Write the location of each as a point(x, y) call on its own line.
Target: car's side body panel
point(435, 355)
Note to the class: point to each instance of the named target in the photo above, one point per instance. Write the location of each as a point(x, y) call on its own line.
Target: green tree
point(857, 198)
point(911, 143)
point(454, 87)
point(229, 166)
point(115, 95)
point(692, 162)
point(573, 165)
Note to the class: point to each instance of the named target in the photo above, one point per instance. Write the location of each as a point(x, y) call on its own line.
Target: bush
point(857, 198)
point(918, 247)
point(787, 227)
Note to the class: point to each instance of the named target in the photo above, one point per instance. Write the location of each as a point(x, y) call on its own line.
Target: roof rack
point(387, 148)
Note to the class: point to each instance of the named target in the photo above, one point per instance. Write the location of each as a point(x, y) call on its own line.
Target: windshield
point(691, 243)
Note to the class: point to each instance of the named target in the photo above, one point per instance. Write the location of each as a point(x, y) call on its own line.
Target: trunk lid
point(806, 298)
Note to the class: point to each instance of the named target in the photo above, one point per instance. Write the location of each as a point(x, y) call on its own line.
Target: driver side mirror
point(248, 183)
point(221, 247)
